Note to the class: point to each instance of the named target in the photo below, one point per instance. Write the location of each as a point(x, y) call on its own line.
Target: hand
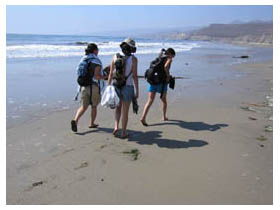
point(168, 78)
point(136, 95)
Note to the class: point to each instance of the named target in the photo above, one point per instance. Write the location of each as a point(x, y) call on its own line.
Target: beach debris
point(269, 101)
point(258, 105)
point(83, 165)
point(35, 184)
point(247, 108)
point(186, 64)
point(261, 145)
point(245, 155)
point(102, 180)
point(262, 138)
point(270, 118)
point(242, 56)
point(103, 146)
point(268, 128)
point(254, 104)
point(252, 118)
point(133, 152)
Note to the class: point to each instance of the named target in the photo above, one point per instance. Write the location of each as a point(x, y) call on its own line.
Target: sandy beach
point(213, 150)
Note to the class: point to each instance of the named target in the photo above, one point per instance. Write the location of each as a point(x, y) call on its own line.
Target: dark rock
point(252, 118)
point(242, 56)
point(37, 183)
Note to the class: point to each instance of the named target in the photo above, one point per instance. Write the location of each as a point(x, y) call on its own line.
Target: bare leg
point(93, 117)
point(164, 105)
point(80, 112)
point(147, 106)
point(125, 110)
point(118, 113)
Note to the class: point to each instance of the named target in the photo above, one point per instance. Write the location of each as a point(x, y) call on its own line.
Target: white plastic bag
point(110, 97)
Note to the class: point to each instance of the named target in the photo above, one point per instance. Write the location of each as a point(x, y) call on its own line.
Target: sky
point(109, 19)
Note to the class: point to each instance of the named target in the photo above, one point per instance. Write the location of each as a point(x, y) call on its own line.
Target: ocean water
point(50, 46)
point(41, 69)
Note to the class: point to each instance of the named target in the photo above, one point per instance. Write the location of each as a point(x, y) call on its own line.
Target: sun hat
point(130, 42)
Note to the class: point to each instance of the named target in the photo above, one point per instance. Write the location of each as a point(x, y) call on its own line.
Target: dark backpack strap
point(128, 75)
point(90, 95)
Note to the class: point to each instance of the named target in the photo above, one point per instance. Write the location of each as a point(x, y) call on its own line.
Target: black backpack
point(156, 73)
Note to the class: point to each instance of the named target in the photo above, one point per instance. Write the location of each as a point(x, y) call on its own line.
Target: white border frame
point(276, 18)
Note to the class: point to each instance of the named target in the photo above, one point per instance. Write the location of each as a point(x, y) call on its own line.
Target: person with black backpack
point(123, 73)
point(89, 79)
point(158, 78)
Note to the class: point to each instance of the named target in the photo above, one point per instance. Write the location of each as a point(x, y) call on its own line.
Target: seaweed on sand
point(134, 152)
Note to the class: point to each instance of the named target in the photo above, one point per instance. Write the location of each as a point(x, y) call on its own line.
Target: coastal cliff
point(246, 33)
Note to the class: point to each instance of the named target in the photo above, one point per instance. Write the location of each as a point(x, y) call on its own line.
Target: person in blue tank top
point(159, 88)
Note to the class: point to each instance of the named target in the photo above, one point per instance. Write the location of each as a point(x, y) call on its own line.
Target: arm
point(97, 74)
point(135, 75)
point(112, 67)
point(167, 67)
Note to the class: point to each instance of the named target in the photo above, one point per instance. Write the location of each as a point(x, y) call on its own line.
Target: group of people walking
point(123, 76)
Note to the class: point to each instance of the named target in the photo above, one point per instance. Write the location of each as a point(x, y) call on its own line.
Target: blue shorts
point(157, 88)
point(126, 93)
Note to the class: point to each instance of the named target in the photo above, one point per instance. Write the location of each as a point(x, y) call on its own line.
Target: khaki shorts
point(85, 96)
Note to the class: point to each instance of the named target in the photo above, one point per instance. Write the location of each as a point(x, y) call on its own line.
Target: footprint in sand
point(103, 146)
point(83, 165)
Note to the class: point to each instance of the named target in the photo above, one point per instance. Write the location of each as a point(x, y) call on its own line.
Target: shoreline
point(182, 161)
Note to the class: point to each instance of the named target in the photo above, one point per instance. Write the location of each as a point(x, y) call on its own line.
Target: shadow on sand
point(152, 137)
point(195, 126)
point(155, 137)
point(105, 130)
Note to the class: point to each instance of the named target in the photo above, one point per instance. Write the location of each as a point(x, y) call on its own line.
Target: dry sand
point(208, 153)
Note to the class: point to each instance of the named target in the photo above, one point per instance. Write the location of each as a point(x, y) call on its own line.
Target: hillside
point(247, 33)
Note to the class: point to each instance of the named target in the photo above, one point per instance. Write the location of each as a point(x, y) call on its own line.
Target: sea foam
point(106, 48)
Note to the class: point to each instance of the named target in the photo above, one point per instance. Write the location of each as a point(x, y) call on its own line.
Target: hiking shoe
point(74, 126)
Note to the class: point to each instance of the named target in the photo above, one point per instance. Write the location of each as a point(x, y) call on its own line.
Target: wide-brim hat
point(130, 42)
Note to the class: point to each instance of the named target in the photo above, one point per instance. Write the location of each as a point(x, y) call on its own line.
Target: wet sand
point(211, 151)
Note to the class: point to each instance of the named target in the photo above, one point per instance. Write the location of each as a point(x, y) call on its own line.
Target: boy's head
point(170, 52)
point(91, 48)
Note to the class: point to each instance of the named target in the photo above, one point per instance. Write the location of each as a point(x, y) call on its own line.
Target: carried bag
point(110, 97)
point(119, 78)
point(84, 75)
point(172, 82)
point(156, 73)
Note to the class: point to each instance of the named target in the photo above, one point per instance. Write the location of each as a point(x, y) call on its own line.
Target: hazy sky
point(98, 19)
